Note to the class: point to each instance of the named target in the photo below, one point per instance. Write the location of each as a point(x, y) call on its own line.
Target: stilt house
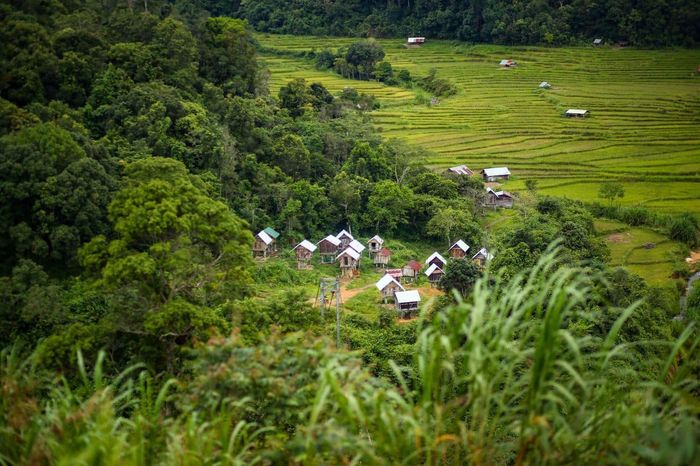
point(387, 286)
point(459, 250)
point(345, 238)
point(328, 249)
point(382, 258)
point(407, 302)
point(348, 260)
point(434, 274)
point(435, 259)
point(497, 199)
point(481, 257)
point(411, 270)
point(264, 245)
point(375, 245)
point(495, 174)
point(304, 251)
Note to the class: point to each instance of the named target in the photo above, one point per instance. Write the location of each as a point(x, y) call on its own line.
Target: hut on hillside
point(458, 250)
point(576, 113)
point(481, 257)
point(375, 245)
point(436, 259)
point(508, 63)
point(411, 270)
point(264, 245)
point(344, 238)
point(304, 251)
point(495, 174)
point(348, 260)
point(357, 246)
point(545, 85)
point(387, 286)
point(460, 170)
point(328, 249)
point(407, 303)
point(415, 41)
point(496, 199)
point(597, 41)
point(434, 274)
point(382, 258)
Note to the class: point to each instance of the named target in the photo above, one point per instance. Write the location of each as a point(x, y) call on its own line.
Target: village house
point(436, 259)
point(264, 245)
point(497, 199)
point(415, 41)
point(387, 286)
point(495, 174)
point(304, 251)
point(434, 274)
point(507, 63)
point(597, 41)
point(407, 302)
point(357, 246)
point(375, 245)
point(348, 260)
point(328, 249)
point(460, 170)
point(576, 113)
point(458, 250)
point(344, 238)
point(545, 85)
point(481, 257)
point(382, 258)
point(410, 271)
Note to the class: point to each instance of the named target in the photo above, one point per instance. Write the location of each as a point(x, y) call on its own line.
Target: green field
point(644, 127)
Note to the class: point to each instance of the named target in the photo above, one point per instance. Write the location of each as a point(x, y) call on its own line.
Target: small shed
point(576, 113)
point(498, 199)
point(495, 174)
point(434, 274)
point(387, 286)
point(348, 260)
point(597, 41)
point(458, 250)
point(264, 245)
point(382, 258)
point(375, 244)
point(304, 251)
point(460, 170)
point(345, 238)
point(328, 249)
point(415, 40)
point(508, 63)
point(435, 259)
point(407, 302)
point(481, 257)
point(411, 270)
point(545, 85)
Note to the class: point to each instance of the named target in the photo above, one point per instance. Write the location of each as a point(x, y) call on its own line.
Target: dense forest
point(140, 148)
point(672, 22)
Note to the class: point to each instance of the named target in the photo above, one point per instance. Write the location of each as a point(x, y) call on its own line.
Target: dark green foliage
point(684, 229)
point(460, 275)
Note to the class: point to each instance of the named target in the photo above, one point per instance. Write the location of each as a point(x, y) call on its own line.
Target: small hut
point(460, 170)
point(498, 199)
point(328, 248)
point(597, 41)
point(382, 258)
point(508, 63)
point(545, 85)
point(436, 259)
point(304, 251)
point(407, 302)
point(375, 245)
point(415, 41)
point(410, 271)
point(344, 238)
point(495, 174)
point(348, 260)
point(458, 250)
point(396, 273)
point(481, 257)
point(387, 286)
point(264, 245)
point(434, 274)
point(576, 113)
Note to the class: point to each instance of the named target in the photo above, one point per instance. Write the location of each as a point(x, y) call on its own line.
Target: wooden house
point(375, 245)
point(460, 170)
point(264, 245)
point(495, 174)
point(597, 41)
point(304, 251)
point(481, 257)
point(435, 259)
point(407, 302)
point(411, 270)
point(545, 85)
point(508, 63)
point(382, 258)
point(348, 260)
point(576, 113)
point(498, 199)
point(396, 273)
point(387, 286)
point(345, 238)
point(328, 249)
point(459, 250)
point(415, 41)
point(434, 274)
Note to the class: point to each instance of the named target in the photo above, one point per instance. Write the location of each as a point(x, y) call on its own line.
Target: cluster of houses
point(494, 199)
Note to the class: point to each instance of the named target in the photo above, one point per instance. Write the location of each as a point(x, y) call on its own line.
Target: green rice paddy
point(643, 129)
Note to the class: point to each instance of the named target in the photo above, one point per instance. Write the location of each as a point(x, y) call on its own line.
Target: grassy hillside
point(642, 131)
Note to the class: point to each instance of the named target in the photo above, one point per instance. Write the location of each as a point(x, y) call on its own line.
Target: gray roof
point(308, 245)
point(385, 281)
point(264, 237)
point(410, 296)
point(356, 245)
point(483, 252)
point(344, 233)
point(377, 238)
point(350, 252)
point(498, 171)
point(331, 239)
point(576, 111)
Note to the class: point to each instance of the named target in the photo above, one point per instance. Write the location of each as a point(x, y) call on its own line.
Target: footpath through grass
point(643, 130)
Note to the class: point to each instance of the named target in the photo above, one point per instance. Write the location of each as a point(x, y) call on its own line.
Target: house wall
point(456, 253)
point(303, 254)
point(437, 262)
point(326, 247)
point(390, 289)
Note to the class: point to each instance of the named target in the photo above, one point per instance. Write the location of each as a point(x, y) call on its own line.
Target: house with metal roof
point(545, 85)
point(264, 245)
point(375, 244)
point(345, 237)
point(357, 246)
point(458, 250)
point(382, 258)
point(348, 260)
point(437, 259)
point(434, 274)
point(460, 170)
point(328, 249)
point(495, 174)
point(411, 270)
point(508, 63)
point(387, 286)
point(497, 199)
point(576, 113)
point(407, 302)
point(481, 257)
point(304, 251)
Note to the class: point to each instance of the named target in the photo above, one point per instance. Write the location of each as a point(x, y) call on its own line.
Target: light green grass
point(642, 131)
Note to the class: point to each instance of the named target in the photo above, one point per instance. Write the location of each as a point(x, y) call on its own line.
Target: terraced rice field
point(643, 130)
